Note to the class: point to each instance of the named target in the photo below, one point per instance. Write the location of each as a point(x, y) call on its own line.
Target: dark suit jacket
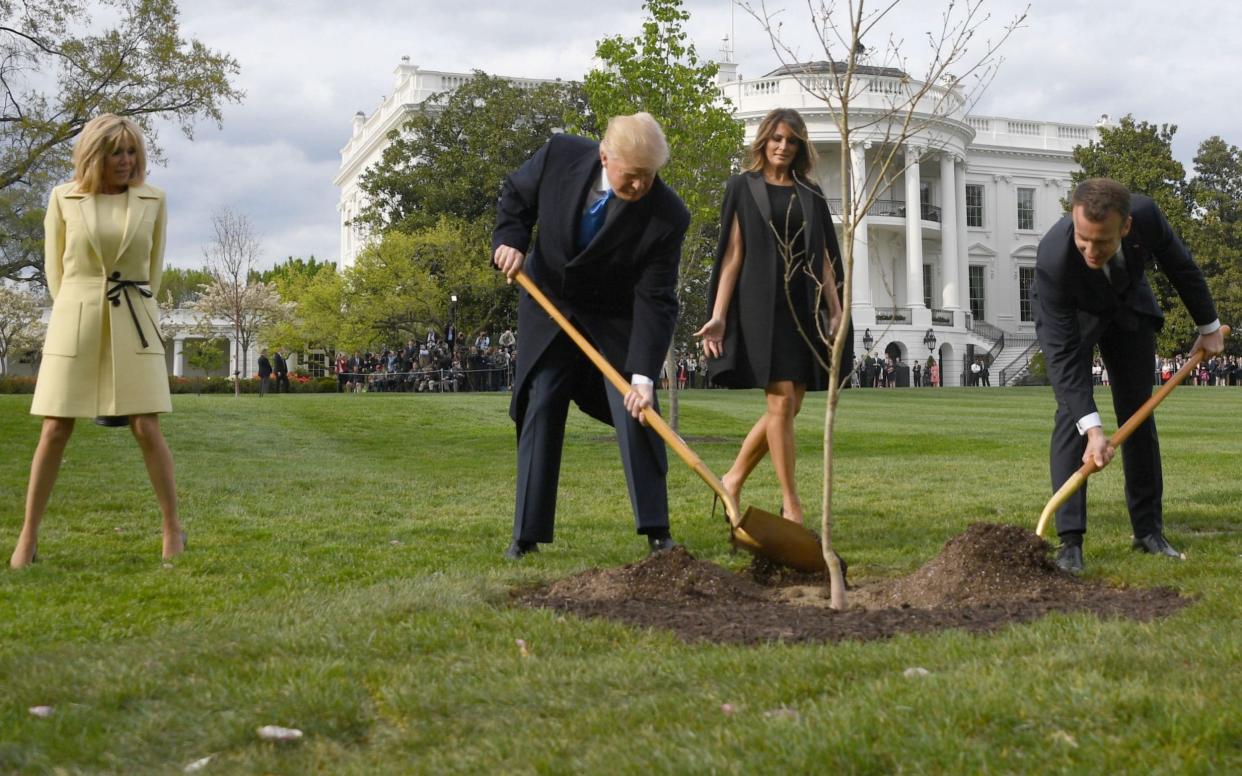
point(265, 367)
point(748, 326)
point(1074, 304)
point(282, 368)
point(621, 290)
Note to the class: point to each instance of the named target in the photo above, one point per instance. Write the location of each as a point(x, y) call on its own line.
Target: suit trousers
point(1128, 356)
point(561, 375)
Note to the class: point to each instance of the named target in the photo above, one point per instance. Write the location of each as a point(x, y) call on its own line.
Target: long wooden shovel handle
point(1079, 477)
point(671, 437)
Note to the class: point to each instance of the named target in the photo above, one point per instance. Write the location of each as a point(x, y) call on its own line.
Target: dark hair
point(804, 160)
point(1101, 196)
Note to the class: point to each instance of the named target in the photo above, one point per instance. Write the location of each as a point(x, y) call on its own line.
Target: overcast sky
point(308, 65)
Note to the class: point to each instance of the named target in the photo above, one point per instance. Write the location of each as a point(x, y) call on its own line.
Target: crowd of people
point(1219, 370)
point(433, 365)
point(890, 372)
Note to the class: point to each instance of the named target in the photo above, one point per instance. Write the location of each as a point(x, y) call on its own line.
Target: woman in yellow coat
point(103, 355)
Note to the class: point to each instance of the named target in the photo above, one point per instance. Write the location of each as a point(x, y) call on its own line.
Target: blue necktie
point(593, 221)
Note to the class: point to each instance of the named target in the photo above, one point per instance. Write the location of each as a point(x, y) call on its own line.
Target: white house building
point(949, 277)
point(368, 138)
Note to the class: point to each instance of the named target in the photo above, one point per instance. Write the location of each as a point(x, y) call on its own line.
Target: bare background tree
point(875, 96)
point(235, 294)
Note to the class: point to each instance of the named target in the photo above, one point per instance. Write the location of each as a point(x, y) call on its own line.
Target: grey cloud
point(309, 65)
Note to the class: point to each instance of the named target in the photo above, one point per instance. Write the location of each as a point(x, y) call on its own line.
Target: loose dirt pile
point(988, 563)
point(984, 579)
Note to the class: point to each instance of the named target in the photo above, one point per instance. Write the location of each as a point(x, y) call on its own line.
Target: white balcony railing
point(870, 92)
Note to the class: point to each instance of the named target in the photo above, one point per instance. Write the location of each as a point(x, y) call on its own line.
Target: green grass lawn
point(344, 577)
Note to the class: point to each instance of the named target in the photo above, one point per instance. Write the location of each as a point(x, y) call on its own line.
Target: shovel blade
point(779, 540)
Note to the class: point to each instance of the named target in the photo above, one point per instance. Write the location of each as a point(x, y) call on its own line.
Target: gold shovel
point(756, 531)
point(1079, 477)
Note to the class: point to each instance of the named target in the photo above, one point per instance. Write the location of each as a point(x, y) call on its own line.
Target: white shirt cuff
point(1088, 422)
point(641, 380)
point(1208, 328)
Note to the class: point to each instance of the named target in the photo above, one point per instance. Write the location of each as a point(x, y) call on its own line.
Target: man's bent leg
point(1066, 458)
point(646, 467)
point(541, 436)
point(1128, 356)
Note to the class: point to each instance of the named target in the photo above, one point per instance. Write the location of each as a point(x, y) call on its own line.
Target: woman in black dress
point(774, 296)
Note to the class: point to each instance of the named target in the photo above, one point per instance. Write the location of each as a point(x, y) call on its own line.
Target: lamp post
point(868, 340)
point(929, 339)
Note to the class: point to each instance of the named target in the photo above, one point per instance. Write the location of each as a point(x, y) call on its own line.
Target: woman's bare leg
point(44, 468)
point(159, 462)
point(754, 447)
point(784, 402)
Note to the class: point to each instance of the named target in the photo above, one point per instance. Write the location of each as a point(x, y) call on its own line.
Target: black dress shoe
point(661, 543)
point(1156, 544)
point(519, 548)
point(1069, 558)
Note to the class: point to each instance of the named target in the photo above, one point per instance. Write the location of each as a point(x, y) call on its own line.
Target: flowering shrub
point(27, 385)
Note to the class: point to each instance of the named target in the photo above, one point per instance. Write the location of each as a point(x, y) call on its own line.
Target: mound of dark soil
point(984, 579)
point(673, 577)
point(989, 563)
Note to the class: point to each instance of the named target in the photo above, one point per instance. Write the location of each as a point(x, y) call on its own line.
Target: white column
point(914, 231)
point(233, 355)
point(862, 304)
point(963, 249)
point(179, 356)
point(949, 246)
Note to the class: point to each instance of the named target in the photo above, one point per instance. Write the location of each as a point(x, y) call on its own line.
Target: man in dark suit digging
point(607, 253)
point(1091, 289)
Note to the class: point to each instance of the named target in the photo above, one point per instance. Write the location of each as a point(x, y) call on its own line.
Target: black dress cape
point(748, 322)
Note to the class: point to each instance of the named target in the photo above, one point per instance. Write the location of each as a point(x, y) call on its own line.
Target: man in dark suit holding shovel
point(607, 253)
point(1091, 289)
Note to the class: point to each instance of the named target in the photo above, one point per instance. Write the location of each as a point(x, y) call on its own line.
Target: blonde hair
point(804, 161)
point(637, 139)
point(100, 137)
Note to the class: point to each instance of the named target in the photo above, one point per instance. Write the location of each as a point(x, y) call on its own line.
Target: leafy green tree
point(205, 354)
point(401, 286)
point(293, 267)
point(60, 68)
point(1140, 156)
point(1217, 229)
point(451, 157)
point(660, 72)
point(318, 318)
point(179, 287)
point(21, 232)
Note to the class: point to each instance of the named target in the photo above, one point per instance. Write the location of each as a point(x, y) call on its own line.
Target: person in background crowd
point(281, 367)
point(342, 372)
point(265, 372)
